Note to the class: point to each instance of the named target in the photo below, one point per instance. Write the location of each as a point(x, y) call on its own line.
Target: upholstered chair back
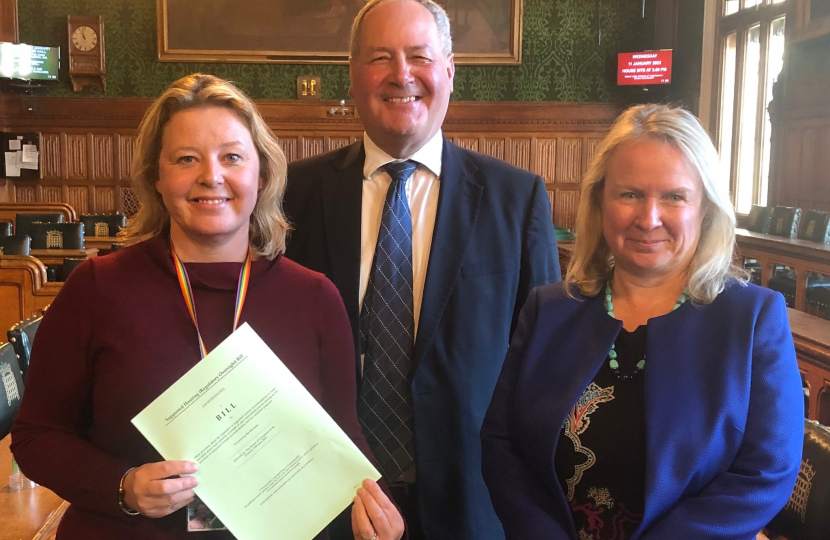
point(5, 228)
point(23, 221)
point(15, 245)
point(784, 222)
point(11, 388)
point(22, 336)
point(759, 219)
point(807, 514)
point(57, 235)
point(103, 224)
point(815, 226)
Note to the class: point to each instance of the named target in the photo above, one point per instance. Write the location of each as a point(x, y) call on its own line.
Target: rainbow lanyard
point(187, 293)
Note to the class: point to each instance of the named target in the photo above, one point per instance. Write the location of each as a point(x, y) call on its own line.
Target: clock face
point(84, 38)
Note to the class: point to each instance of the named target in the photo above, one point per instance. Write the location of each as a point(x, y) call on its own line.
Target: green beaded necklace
point(612, 354)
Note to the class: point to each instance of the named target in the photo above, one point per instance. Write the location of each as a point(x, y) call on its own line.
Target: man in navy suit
point(481, 238)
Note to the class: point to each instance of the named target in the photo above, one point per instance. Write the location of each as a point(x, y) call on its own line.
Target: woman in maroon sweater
point(210, 178)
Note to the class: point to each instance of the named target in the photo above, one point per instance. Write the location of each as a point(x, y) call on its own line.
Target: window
point(751, 55)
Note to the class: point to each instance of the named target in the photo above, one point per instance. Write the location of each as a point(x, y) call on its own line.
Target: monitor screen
point(29, 62)
point(643, 68)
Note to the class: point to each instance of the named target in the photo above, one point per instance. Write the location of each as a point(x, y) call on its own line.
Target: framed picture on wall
point(317, 31)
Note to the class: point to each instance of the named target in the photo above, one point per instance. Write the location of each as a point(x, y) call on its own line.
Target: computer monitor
point(29, 62)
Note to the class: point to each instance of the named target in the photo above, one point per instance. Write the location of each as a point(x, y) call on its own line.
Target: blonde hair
point(268, 223)
point(592, 262)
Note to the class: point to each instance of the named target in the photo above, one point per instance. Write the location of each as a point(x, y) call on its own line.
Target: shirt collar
point(429, 155)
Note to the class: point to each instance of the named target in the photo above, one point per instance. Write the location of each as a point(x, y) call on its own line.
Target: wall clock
point(87, 66)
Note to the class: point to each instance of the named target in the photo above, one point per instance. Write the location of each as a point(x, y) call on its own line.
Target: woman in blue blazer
point(654, 394)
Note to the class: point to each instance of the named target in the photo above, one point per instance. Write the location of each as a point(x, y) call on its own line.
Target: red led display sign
point(642, 68)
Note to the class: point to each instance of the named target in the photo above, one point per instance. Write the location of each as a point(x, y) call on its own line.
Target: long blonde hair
point(592, 263)
point(268, 224)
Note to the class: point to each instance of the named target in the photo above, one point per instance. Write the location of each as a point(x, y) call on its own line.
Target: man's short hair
point(442, 22)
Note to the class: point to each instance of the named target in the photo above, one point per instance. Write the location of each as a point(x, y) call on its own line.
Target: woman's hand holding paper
point(156, 489)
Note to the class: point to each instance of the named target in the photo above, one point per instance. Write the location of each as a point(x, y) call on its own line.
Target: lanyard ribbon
point(187, 293)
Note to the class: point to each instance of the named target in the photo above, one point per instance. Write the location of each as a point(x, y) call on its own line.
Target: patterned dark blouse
point(600, 458)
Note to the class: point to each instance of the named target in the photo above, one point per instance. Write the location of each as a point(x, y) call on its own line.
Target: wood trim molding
point(18, 112)
point(8, 21)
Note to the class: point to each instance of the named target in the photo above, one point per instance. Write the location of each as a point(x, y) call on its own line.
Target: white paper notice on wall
point(14, 144)
point(30, 154)
point(29, 164)
point(12, 165)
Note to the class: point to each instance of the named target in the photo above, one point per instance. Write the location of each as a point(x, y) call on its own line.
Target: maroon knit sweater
point(119, 334)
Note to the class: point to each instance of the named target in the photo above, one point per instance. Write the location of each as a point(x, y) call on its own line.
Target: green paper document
point(272, 462)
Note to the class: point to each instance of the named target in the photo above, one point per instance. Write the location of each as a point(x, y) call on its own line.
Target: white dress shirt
point(422, 196)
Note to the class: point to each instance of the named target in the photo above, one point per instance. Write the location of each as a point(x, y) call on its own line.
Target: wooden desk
point(56, 256)
point(102, 243)
point(30, 513)
point(811, 335)
point(802, 256)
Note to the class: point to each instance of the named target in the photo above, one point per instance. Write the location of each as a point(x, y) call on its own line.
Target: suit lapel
point(458, 206)
point(342, 197)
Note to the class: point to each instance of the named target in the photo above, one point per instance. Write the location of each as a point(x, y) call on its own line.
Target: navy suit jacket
point(493, 242)
point(724, 414)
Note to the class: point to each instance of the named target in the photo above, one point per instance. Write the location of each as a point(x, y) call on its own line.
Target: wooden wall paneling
point(50, 155)
point(569, 160)
point(104, 199)
point(312, 146)
point(333, 143)
point(78, 198)
point(544, 163)
point(469, 143)
point(126, 149)
point(88, 144)
point(51, 194)
point(128, 202)
point(25, 193)
point(809, 151)
point(589, 150)
point(102, 158)
point(519, 151)
point(8, 21)
point(289, 147)
point(77, 157)
point(493, 146)
point(566, 202)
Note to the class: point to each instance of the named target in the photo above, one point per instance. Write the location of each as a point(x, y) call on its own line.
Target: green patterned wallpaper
point(564, 58)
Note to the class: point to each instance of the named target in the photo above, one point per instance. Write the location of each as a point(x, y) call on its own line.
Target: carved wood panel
point(78, 197)
point(51, 194)
point(76, 157)
point(545, 162)
point(569, 160)
point(564, 208)
point(493, 147)
point(520, 153)
point(104, 200)
point(50, 159)
point(25, 194)
point(126, 149)
point(468, 143)
point(338, 142)
point(313, 146)
point(289, 147)
point(102, 157)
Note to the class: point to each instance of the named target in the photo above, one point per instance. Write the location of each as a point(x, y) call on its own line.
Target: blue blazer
point(724, 414)
point(493, 242)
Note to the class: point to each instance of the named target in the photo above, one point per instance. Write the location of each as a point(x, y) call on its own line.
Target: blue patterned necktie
point(387, 327)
